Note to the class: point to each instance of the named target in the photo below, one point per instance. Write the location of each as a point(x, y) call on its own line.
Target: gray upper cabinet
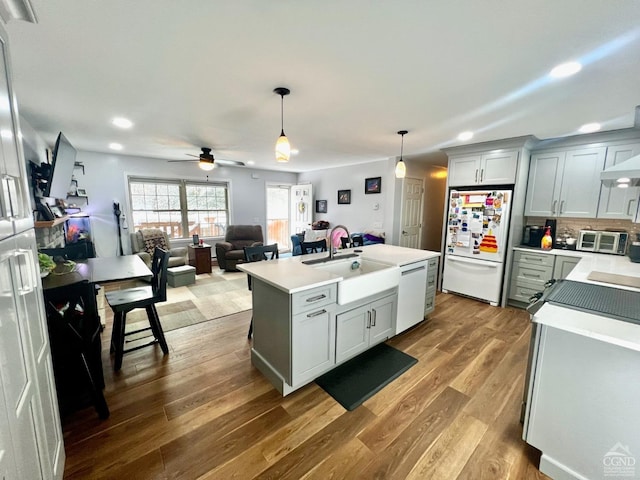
point(619, 202)
point(565, 183)
point(492, 168)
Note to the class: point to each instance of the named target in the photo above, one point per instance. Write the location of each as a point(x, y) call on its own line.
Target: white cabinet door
point(563, 266)
point(313, 344)
point(565, 183)
point(7, 459)
point(498, 168)
point(494, 168)
point(18, 378)
point(543, 187)
point(464, 170)
point(352, 332)
point(382, 319)
point(580, 189)
point(619, 202)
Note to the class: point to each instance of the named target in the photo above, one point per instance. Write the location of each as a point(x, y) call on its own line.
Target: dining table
point(74, 324)
point(97, 270)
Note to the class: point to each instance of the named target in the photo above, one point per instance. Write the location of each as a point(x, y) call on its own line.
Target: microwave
point(602, 242)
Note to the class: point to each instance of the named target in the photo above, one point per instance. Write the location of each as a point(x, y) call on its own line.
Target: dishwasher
point(411, 295)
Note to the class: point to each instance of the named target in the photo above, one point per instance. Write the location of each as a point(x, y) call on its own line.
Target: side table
point(200, 257)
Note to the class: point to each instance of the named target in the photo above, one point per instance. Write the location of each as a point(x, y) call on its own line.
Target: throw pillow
point(153, 238)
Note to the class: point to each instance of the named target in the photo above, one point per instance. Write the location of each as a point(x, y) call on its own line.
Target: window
point(179, 207)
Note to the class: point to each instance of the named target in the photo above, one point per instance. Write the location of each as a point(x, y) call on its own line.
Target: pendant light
point(401, 168)
point(283, 149)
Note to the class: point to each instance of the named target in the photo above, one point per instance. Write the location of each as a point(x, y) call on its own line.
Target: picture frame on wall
point(321, 206)
point(373, 185)
point(344, 197)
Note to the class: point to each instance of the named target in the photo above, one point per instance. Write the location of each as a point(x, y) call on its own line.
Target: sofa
point(144, 241)
point(231, 252)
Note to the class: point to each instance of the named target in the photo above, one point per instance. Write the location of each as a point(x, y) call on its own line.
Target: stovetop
point(610, 302)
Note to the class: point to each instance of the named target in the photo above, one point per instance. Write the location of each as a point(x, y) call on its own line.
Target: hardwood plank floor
point(204, 412)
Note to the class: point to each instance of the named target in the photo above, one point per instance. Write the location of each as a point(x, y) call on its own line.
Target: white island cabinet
point(582, 395)
point(301, 330)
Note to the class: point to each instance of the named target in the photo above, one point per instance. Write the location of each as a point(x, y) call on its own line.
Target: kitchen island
point(309, 318)
point(584, 387)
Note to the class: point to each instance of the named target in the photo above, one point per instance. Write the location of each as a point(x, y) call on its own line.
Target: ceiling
point(191, 74)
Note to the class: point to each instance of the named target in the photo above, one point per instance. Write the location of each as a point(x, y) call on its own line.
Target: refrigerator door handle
point(473, 262)
point(25, 272)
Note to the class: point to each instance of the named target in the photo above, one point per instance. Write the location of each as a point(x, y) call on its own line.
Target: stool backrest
point(314, 247)
point(260, 253)
point(159, 265)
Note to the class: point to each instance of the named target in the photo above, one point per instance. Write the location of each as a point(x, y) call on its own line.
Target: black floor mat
point(363, 376)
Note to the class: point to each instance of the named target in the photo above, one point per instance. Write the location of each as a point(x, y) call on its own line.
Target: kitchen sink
point(326, 259)
point(361, 277)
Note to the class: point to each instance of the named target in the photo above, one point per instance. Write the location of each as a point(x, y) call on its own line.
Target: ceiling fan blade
point(232, 163)
point(196, 160)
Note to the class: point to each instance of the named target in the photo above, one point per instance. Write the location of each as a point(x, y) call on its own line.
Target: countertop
point(292, 276)
point(591, 325)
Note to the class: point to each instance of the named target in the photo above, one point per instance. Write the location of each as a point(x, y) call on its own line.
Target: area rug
point(214, 295)
point(363, 376)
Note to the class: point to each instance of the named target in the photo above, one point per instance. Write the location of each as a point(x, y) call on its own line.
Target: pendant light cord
point(401, 146)
point(281, 114)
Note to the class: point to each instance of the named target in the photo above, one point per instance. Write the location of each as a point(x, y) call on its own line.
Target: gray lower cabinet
point(360, 327)
point(531, 270)
point(563, 266)
point(313, 346)
point(432, 280)
point(294, 335)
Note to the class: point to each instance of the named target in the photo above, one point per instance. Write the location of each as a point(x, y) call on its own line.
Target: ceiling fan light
point(206, 166)
point(283, 149)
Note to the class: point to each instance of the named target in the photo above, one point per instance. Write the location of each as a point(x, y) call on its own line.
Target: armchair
point(144, 241)
point(231, 252)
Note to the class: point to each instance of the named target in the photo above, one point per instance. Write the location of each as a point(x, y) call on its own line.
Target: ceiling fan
point(206, 160)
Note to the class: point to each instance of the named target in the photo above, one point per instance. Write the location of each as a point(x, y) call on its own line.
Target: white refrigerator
point(476, 243)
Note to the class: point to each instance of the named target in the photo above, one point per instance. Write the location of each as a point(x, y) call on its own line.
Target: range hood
point(630, 169)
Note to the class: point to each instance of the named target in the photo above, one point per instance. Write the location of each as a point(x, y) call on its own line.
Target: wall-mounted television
point(62, 162)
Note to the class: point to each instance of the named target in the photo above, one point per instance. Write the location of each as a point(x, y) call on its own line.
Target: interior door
point(301, 214)
point(412, 199)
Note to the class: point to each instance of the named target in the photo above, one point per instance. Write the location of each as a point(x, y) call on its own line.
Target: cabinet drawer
point(533, 258)
point(534, 274)
point(522, 292)
point(433, 264)
point(316, 297)
point(429, 303)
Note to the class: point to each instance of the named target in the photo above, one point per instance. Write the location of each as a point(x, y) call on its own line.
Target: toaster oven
point(602, 241)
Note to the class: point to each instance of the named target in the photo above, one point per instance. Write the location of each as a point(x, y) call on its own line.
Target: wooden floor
point(204, 412)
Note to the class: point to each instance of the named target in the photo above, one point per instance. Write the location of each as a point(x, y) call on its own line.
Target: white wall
point(105, 181)
point(361, 214)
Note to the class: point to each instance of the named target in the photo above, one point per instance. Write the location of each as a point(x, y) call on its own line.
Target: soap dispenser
point(547, 241)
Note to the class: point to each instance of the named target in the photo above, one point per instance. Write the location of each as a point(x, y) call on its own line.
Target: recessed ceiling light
point(565, 70)
point(8, 134)
point(623, 180)
point(115, 146)
point(623, 185)
point(464, 136)
point(590, 127)
point(122, 122)
point(251, 162)
point(295, 151)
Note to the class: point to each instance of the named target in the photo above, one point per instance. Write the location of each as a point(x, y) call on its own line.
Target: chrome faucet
point(331, 238)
